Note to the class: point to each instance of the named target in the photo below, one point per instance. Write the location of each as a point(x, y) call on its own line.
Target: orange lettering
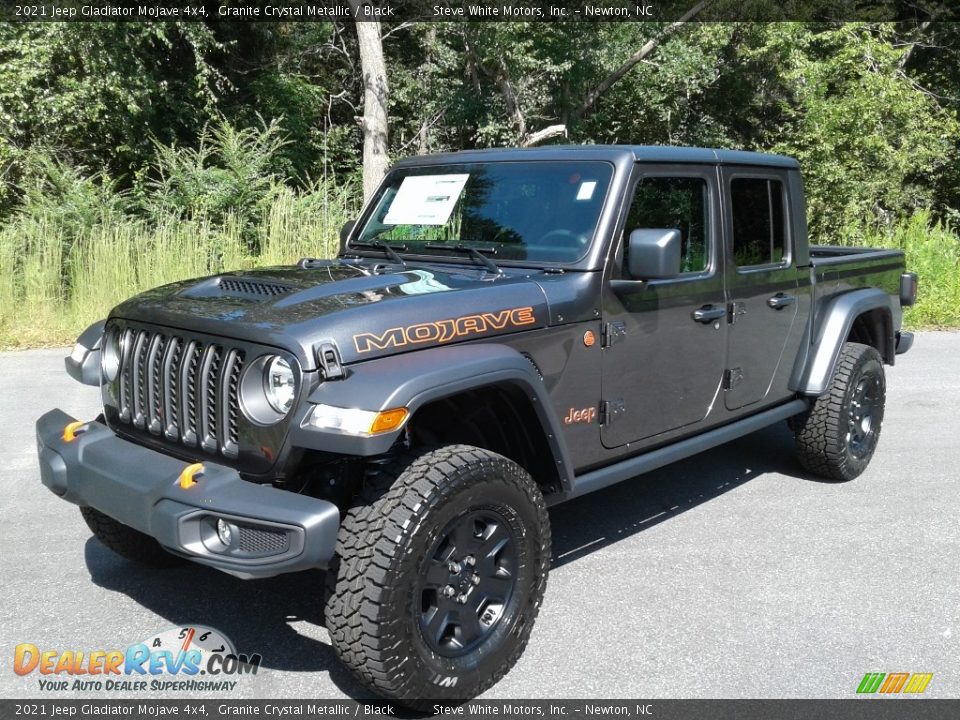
point(25, 658)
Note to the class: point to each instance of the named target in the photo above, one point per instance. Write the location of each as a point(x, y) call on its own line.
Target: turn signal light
point(388, 420)
point(356, 421)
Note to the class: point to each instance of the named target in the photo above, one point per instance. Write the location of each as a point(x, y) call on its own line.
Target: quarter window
point(674, 203)
point(759, 224)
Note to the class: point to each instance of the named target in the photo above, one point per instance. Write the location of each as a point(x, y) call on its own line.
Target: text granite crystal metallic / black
point(502, 330)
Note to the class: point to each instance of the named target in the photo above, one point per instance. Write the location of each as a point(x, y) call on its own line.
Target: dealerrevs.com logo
point(193, 658)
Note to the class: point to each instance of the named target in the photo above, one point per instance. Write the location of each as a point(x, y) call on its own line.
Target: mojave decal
point(443, 331)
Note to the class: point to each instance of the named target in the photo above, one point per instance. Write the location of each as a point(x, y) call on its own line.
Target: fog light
point(224, 532)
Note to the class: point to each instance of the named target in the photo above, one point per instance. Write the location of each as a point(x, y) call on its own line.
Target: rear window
point(759, 223)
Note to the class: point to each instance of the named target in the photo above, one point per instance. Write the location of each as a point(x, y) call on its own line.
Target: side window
point(759, 225)
point(674, 202)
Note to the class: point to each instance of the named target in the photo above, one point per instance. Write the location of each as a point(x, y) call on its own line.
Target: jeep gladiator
point(501, 331)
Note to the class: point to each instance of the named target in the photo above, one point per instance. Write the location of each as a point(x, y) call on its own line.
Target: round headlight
point(279, 384)
point(110, 355)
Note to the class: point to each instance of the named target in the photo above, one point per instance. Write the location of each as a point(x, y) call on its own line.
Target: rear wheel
point(127, 542)
point(837, 437)
point(442, 568)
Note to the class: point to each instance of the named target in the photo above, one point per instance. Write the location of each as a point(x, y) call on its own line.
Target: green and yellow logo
point(893, 683)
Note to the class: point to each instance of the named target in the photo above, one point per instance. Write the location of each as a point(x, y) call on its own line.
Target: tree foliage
point(870, 109)
point(96, 92)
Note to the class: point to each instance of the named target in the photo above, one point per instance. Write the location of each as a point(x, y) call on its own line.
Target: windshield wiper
point(389, 250)
point(475, 253)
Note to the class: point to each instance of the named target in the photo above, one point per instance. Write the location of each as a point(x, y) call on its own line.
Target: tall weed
point(932, 251)
point(51, 289)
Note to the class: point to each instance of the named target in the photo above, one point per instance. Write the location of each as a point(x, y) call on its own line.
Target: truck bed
point(823, 255)
point(835, 269)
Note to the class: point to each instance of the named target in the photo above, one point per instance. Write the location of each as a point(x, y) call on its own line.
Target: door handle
point(780, 301)
point(709, 313)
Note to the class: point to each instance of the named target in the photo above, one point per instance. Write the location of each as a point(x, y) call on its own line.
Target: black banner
point(478, 10)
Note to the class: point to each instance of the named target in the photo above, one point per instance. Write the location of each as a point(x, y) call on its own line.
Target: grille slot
point(252, 288)
point(259, 541)
point(181, 389)
point(171, 363)
point(154, 390)
point(139, 360)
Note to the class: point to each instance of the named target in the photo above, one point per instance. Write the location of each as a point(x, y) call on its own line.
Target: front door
point(664, 344)
point(762, 282)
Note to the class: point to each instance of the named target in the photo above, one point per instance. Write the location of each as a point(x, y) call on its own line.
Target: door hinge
point(614, 332)
point(611, 410)
point(329, 358)
point(734, 309)
point(732, 378)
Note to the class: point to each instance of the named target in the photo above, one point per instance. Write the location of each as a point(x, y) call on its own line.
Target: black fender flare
point(412, 380)
point(814, 370)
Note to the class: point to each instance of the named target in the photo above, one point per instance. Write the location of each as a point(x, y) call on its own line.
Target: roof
point(611, 153)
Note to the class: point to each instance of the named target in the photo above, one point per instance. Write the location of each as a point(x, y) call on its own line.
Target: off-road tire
point(127, 542)
point(385, 548)
point(832, 439)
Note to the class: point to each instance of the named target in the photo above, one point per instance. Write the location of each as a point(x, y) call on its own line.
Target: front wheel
point(127, 542)
point(837, 437)
point(441, 570)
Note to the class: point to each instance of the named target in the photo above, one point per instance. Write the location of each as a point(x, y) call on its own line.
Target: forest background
point(134, 154)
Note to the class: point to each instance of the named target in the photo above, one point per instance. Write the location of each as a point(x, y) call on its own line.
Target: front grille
point(259, 541)
point(180, 388)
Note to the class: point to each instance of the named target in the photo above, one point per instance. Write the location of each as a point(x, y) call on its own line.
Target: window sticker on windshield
point(585, 191)
point(425, 199)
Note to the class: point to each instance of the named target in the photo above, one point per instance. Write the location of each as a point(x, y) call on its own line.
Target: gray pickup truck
point(501, 331)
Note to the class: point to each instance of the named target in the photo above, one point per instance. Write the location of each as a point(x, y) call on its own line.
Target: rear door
point(762, 281)
point(664, 344)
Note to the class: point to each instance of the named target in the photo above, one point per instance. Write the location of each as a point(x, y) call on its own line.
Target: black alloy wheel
point(467, 582)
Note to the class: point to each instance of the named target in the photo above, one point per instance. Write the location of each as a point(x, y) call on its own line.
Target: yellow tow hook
point(73, 429)
point(187, 480)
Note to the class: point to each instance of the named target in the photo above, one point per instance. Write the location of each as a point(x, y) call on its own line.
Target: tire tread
point(820, 433)
point(395, 497)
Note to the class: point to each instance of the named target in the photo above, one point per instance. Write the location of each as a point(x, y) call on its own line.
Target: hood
point(368, 310)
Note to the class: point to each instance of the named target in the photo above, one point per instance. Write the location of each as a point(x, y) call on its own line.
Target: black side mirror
point(653, 253)
point(345, 233)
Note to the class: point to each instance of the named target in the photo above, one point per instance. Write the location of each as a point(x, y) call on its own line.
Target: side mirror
point(345, 233)
point(653, 254)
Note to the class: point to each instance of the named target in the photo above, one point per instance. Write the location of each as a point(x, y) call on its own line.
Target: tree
point(595, 93)
point(869, 138)
point(97, 91)
point(375, 120)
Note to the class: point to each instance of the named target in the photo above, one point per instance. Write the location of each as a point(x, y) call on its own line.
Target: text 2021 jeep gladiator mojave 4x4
point(502, 330)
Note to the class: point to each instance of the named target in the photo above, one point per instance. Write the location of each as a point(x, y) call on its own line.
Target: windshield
point(532, 211)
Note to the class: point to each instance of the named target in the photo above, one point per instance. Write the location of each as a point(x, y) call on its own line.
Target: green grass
point(56, 279)
point(933, 252)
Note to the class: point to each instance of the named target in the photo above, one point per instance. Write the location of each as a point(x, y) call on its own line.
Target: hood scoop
point(246, 287)
point(238, 287)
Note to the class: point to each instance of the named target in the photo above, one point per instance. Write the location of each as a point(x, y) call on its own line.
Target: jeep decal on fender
point(443, 331)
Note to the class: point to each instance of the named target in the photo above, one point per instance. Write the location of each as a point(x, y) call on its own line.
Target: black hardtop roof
point(611, 153)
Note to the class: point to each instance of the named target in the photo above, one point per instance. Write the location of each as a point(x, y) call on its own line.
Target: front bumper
point(274, 531)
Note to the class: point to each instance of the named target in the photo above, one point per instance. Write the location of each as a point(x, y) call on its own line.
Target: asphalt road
point(729, 575)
